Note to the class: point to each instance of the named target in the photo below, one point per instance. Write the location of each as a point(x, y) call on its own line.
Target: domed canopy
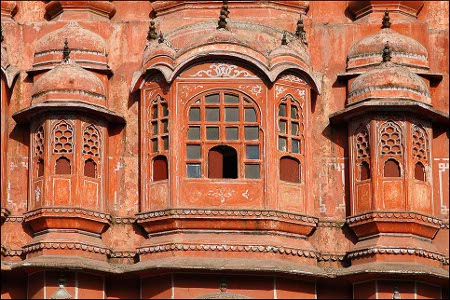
point(88, 48)
point(405, 51)
point(389, 81)
point(69, 82)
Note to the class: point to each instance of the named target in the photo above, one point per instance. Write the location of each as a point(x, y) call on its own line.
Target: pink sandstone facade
point(224, 150)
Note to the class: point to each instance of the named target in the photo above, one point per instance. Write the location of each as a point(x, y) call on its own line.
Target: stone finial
point(61, 293)
point(151, 34)
point(386, 20)
point(300, 31)
point(284, 40)
point(161, 38)
point(396, 293)
point(66, 52)
point(387, 53)
point(224, 12)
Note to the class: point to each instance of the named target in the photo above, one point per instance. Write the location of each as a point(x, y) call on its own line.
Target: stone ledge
point(392, 215)
point(213, 213)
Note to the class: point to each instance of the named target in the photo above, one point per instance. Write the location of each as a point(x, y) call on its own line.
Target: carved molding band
point(400, 216)
point(68, 246)
point(122, 254)
point(228, 248)
point(226, 213)
point(66, 210)
point(397, 251)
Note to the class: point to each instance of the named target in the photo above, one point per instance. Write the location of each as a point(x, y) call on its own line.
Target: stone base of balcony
point(68, 242)
point(396, 248)
point(229, 244)
point(372, 223)
point(45, 218)
point(222, 219)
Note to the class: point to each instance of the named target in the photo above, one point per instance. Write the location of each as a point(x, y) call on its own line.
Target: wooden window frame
point(240, 144)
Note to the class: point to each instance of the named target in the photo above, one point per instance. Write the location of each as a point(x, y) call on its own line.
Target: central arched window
point(223, 137)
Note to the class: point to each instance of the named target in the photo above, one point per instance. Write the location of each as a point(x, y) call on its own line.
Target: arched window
point(419, 171)
point(40, 167)
point(90, 168)
point(219, 118)
point(91, 150)
point(159, 125)
point(362, 152)
point(420, 151)
point(39, 150)
point(62, 166)
point(392, 168)
point(364, 171)
point(222, 162)
point(290, 169)
point(160, 170)
point(290, 126)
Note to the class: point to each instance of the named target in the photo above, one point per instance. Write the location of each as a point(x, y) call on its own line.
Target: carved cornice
point(398, 251)
point(67, 211)
point(394, 216)
point(123, 220)
point(11, 252)
point(228, 248)
point(331, 257)
point(18, 219)
point(218, 213)
point(66, 245)
point(331, 223)
point(122, 254)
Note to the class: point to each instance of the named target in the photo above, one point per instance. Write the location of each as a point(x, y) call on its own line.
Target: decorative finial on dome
point(387, 53)
point(151, 34)
point(224, 12)
point(66, 52)
point(396, 293)
point(61, 293)
point(300, 31)
point(161, 38)
point(284, 40)
point(386, 20)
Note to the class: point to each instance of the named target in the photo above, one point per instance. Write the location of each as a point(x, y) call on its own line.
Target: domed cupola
point(406, 51)
point(69, 82)
point(88, 48)
point(389, 80)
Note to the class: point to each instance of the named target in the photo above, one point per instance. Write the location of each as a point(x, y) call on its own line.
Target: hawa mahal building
point(224, 150)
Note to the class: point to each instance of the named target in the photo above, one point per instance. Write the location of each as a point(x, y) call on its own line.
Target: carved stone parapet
point(394, 222)
point(67, 218)
point(4, 214)
point(172, 219)
point(104, 9)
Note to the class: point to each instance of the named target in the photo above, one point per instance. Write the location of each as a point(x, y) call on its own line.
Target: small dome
point(405, 51)
point(88, 48)
point(389, 80)
point(69, 82)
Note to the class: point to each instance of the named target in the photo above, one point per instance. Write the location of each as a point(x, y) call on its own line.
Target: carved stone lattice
point(63, 138)
point(39, 142)
point(91, 141)
point(420, 148)
point(391, 139)
point(362, 143)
